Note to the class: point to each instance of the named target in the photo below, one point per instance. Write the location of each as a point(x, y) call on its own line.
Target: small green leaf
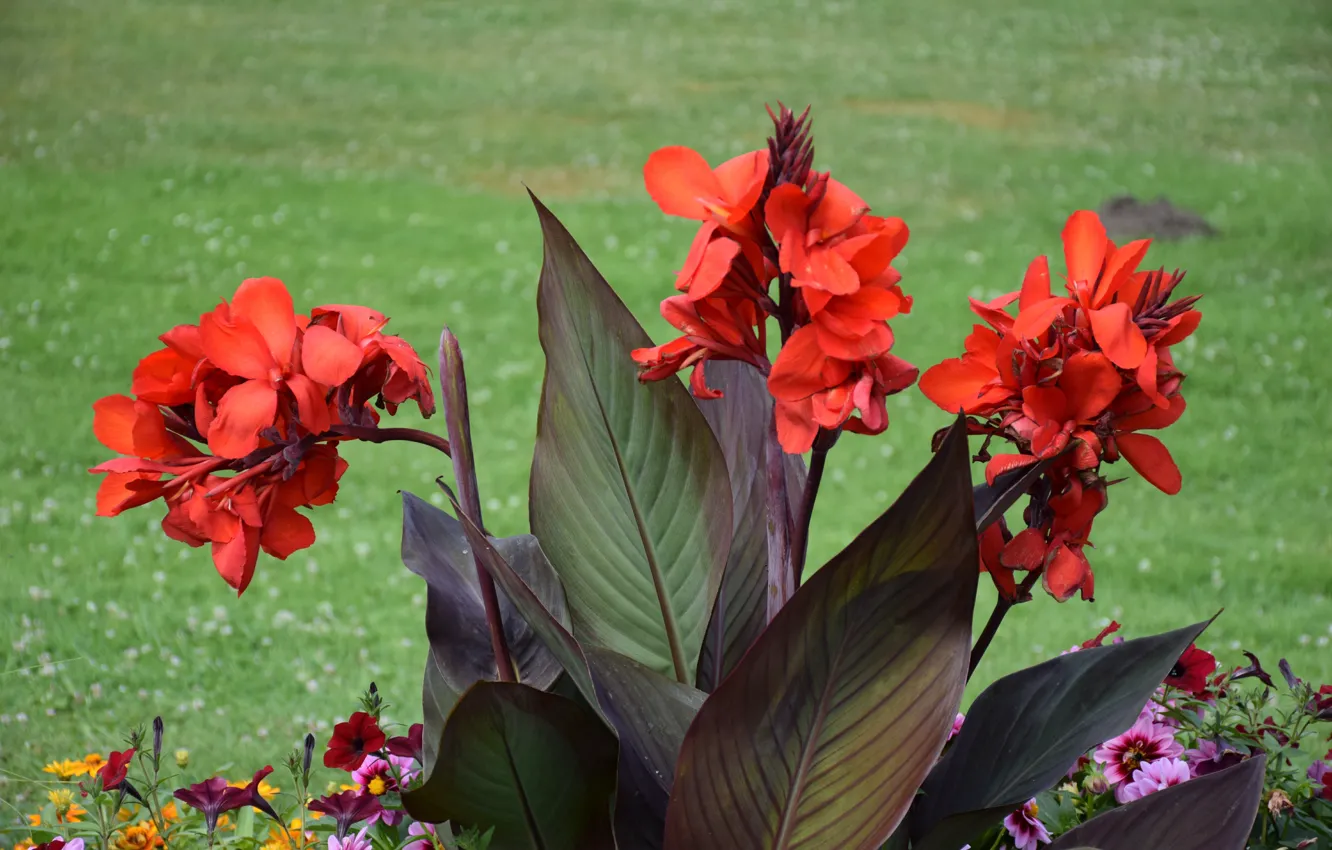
point(822, 733)
point(538, 768)
point(1212, 812)
point(1027, 729)
point(629, 493)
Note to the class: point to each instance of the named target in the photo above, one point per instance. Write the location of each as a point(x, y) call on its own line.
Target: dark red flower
point(1100, 638)
point(1321, 705)
point(212, 797)
point(352, 741)
point(409, 745)
point(116, 769)
point(1254, 670)
point(347, 808)
point(1191, 670)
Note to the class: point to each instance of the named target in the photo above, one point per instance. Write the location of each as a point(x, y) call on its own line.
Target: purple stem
point(781, 585)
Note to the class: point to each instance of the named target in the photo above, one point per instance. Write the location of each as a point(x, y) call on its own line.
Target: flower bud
point(182, 758)
point(157, 741)
point(1095, 783)
point(309, 755)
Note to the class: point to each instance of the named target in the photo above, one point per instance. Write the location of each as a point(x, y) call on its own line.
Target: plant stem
point(1001, 606)
point(800, 541)
point(374, 434)
point(453, 391)
point(780, 573)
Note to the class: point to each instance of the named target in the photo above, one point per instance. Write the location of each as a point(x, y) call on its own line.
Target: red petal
point(1152, 460)
point(1146, 378)
point(698, 383)
point(1091, 383)
point(236, 348)
point(265, 303)
point(993, 312)
point(1084, 246)
point(242, 413)
point(328, 357)
point(235, 559)
point(798, 372)
point(1119, 270)
point(120, 491)
point(1036, 319)
point(1046, 405)
point(787, 213)
point(164, 377)
point(1153, 418)
point(705, 272)
point(311, 404)
point(355, 323)
point(825, 269)
point(285, 532)
point(859, 347)
point(741, 180)
point(837, 211)
point(1067, 573)
point(1180, 328)
point(1118, 336)
point(1026, 551)
point(679, 180)
point(796, 428)
point(999, 464)
point(113, 423)
point(1035, 284)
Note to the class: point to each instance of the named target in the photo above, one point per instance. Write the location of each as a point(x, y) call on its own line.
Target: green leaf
point(1212, 812)
point(739, 420)
point(1026, 730)
point(537, 767)
point(648, 711)
point(822, 733)
point(629, 497)
point(435, 548)
point(993, 499)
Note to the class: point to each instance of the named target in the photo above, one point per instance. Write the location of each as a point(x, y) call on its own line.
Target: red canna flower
point(271, 393)
point(115, 770)
point(1191, 670)
point(683, 184)
point(352, 741)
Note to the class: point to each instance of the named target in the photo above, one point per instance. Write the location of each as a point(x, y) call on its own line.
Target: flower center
point(1133, 757)
point(377, 786)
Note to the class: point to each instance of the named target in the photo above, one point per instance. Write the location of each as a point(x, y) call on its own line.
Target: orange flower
point(683, 184)
point(370, 365)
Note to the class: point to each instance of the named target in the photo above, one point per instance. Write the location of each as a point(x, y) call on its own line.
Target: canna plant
point(653, 665)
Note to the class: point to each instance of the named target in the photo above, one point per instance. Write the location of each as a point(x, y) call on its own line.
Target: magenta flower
point(427, 840)
point(347, 808)
point(359, 841)
point(1026, 828)
point(378, 777)
point(1210, 756)
point(1320, 773)
point(213, 797)
point(61, 844)
point(1144, 741)
point(1153, 776)
point(409, 745)
point(957, 725)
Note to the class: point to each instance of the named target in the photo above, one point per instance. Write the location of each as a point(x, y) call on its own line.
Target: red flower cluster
point(768, 216)
point(270, 393)
point(1075, 379)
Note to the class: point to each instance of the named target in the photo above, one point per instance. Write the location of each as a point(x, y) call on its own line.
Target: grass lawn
point(153, 153)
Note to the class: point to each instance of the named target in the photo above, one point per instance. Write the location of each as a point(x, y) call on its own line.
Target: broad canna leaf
point(993, 499)
point(537, 767)
point(1027, 729)
point(822, 733)
point(1212, 812)
point(739, 419)
point(629, 493)
point(648, 711)
point(435, 548)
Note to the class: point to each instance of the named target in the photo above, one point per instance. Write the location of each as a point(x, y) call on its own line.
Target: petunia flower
point(957, 725)
point(1211, 756)
point(212, 797)
point(1026, 829)
point(1319, 775)
point(1144, 741)
point(347, 808)
point(252, 793)
point(359, 841)
point(1153, 776)
point(115, 770)
point(1191, 670)
point(352, 741)
point(409, 746)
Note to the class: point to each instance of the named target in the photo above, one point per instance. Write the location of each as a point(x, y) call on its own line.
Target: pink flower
point(1210, 756)
point(428, 840)
point(1144, 741)
point(957, 725)
point(377, 777)
point(1153, 776)
point(1026, 829)
point(359, 841)
point(1319, 774)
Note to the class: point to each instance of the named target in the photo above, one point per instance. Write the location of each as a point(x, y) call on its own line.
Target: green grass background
point(153, 153)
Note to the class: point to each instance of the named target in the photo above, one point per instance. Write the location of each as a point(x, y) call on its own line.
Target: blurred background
point(154, 153)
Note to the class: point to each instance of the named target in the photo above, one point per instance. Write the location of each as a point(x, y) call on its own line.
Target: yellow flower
point(94, 762)
point(25, 844)
point(278, 841)
point(66, 770)
point(67, 811)
point(34, 820)
point(224, 823)
point(182, 758)
point(140, 836)
point(266, 791)
point(170, 813)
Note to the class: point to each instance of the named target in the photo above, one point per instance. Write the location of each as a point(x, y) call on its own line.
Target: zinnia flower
point(60, 844)
point(1027, 830)
point(1151, 777)
point(352, 740)
point(1144, 741)
point(378, 777)
point(1191, 670)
